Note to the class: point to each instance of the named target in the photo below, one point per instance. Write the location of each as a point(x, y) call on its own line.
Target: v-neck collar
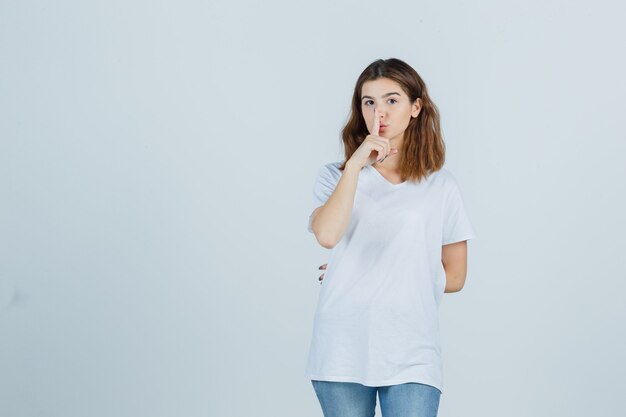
point(383, 179)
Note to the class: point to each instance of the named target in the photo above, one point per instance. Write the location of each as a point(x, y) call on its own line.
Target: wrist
point(352, 165)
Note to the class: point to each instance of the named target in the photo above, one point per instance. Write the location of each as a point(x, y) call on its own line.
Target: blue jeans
point(351, 399)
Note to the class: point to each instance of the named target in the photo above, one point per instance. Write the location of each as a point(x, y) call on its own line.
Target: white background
point(156, 168)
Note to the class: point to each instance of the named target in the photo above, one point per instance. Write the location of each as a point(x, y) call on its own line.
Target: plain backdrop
point(157, 161)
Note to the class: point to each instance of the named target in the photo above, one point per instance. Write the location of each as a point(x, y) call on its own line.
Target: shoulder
point(331, 169)
point(444, 178)
point(334, 166)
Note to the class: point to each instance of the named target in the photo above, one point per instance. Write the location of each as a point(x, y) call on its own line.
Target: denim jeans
point(351, 399)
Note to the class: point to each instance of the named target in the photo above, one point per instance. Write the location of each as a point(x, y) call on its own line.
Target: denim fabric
point(350, 399)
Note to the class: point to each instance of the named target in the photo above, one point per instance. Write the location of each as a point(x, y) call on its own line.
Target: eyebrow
point(385, 95)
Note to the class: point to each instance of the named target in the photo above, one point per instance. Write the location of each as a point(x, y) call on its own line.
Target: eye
point(367, 101)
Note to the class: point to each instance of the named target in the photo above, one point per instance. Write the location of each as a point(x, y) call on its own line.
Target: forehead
point(377, 88)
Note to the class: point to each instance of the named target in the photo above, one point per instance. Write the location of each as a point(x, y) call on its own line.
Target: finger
point(381, 153)
point(392, 151)
point(376, 128)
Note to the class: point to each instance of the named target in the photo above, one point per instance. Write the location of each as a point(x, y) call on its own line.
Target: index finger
point(376, 127)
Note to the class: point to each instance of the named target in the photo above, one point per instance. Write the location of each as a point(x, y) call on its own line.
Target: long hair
point(423, 150)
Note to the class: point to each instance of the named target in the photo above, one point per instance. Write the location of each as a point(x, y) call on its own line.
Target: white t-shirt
point(376, 321)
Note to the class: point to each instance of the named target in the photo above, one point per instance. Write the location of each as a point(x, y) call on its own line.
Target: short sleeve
point(456, 224)
point(325, 183)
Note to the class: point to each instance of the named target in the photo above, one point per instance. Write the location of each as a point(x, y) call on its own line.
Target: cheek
point(406, 116)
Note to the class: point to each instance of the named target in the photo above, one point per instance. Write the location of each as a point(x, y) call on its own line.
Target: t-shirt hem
point(373, 382)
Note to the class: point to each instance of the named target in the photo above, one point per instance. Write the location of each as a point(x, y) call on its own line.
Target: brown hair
point(423, 150)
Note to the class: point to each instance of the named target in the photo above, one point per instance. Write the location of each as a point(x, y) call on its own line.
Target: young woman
point(397, 228)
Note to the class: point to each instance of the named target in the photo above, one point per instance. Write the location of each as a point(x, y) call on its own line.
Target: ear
point(417, 107)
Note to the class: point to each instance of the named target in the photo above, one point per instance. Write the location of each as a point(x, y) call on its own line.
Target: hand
point(321, 278)
point(374, 148)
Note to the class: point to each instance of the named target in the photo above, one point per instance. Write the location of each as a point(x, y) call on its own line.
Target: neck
point(391, 163)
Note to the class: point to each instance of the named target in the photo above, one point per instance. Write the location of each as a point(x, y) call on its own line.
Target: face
point(394, 108)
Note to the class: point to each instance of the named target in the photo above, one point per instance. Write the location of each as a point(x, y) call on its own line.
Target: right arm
point(330, 221)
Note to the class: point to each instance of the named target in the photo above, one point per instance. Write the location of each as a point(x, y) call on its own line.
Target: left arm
point(454, 259)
